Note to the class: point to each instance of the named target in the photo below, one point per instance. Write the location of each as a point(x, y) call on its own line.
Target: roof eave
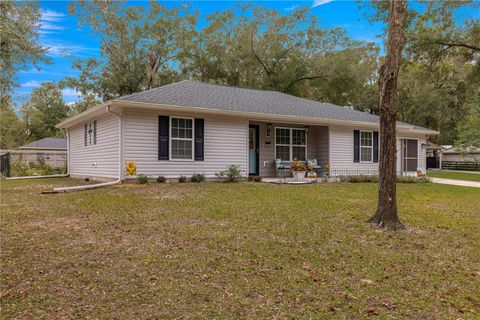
point(70, 122)
point(262, 116)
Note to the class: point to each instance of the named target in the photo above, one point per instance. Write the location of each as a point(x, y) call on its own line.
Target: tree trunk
point(386, 216)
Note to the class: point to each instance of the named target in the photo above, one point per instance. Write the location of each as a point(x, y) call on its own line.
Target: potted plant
point(311, 175)
point(298, 169)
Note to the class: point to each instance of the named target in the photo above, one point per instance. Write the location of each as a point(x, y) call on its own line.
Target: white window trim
point(290, 145)
point(360, 147)
point(185, 139)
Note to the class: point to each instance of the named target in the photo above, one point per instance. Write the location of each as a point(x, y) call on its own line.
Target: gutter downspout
point(103, 184)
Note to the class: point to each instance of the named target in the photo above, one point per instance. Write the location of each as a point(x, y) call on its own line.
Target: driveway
point(463, 183)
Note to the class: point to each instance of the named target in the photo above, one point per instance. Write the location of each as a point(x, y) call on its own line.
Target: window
point(90, 132)
point(181, 138)
point(366, 146)
point(290, 144)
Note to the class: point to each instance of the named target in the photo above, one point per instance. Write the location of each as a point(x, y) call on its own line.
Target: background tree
point(43, 111)
point(139, 47)
point(440, 76)
point(386, 216)
point(19, 50)
point(257, 47)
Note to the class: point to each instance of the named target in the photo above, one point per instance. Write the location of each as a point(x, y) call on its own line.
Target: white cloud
point(51, 15)
point(50, 21)
point(70, 95)
point(31, 84)
point(292, 8)
point(65, 49)
point(317, 3)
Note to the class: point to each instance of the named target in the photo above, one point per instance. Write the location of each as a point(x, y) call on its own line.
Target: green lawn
point(237, 251)
point(455, 175)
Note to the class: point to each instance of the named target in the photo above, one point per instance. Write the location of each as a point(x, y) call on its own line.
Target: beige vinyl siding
point(322, 141)
point(225, 143)
point(101, 159)
point(341, 152)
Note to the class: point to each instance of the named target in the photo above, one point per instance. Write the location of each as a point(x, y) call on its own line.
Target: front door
point(409, 155)
point(253, 150)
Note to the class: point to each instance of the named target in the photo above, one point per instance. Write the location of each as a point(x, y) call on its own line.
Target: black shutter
point(199, 130)
point(356, 145)
point(163, 134)
point(95, 132)
point(85, 137)
point(375, 146)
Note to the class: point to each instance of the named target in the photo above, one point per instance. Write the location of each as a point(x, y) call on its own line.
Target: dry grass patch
point(236, 251)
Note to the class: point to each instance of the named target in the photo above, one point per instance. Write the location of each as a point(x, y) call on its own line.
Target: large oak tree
point(386, 216)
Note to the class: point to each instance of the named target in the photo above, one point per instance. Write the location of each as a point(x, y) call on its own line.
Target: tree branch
point(303, 79)
point(457, 44)
point(256, 56)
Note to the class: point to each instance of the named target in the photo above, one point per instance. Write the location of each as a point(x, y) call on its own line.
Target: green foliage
point(161, 179)
point(44, 168)
point(44, 110)
point(374, 179)
point(409, 179)
point(140, 46)
point(19, 168)
point(20, 47)
point(360, 179)
point(439, 82)
point(469, 130)
point(11, 129)
point(232, 174)
point(198, 177)
point(142, 178)
point(182, 179)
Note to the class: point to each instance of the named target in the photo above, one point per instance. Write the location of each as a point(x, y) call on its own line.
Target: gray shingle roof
point(189, 93)
point(47, 143)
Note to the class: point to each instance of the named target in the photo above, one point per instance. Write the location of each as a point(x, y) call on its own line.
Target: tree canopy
point(143, 47)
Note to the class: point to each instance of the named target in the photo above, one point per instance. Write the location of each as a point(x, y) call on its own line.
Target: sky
point(66, 40)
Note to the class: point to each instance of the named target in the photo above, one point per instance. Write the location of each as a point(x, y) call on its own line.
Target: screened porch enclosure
point(269, 141)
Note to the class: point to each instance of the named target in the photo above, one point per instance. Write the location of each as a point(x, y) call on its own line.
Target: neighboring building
point(52, 150)
point(450, 153)
point(434, 155)
point(191, 127)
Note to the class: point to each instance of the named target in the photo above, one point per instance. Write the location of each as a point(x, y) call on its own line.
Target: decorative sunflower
point(131, 168)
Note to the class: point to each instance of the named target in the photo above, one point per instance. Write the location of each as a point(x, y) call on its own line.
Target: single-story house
point(191, 127)
point(52, 150)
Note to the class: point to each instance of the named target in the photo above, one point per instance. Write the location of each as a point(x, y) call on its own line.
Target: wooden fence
point(461, 165)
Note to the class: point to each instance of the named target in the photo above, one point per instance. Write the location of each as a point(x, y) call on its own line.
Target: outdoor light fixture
point(424, 146)
point(268, 133)
point(307, 129)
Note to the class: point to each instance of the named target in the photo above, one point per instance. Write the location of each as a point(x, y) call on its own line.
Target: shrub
point(64, 169)
point(142, 179)
point(198, 177)
point(359, 179)
point(232, 174)
point(410, 179)
point(19, 168)
point(374, 179)
point(182, 179)
point(43, 167)
point(161, 179)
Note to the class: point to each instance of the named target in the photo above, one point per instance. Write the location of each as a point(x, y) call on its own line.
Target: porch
point(268, 141)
